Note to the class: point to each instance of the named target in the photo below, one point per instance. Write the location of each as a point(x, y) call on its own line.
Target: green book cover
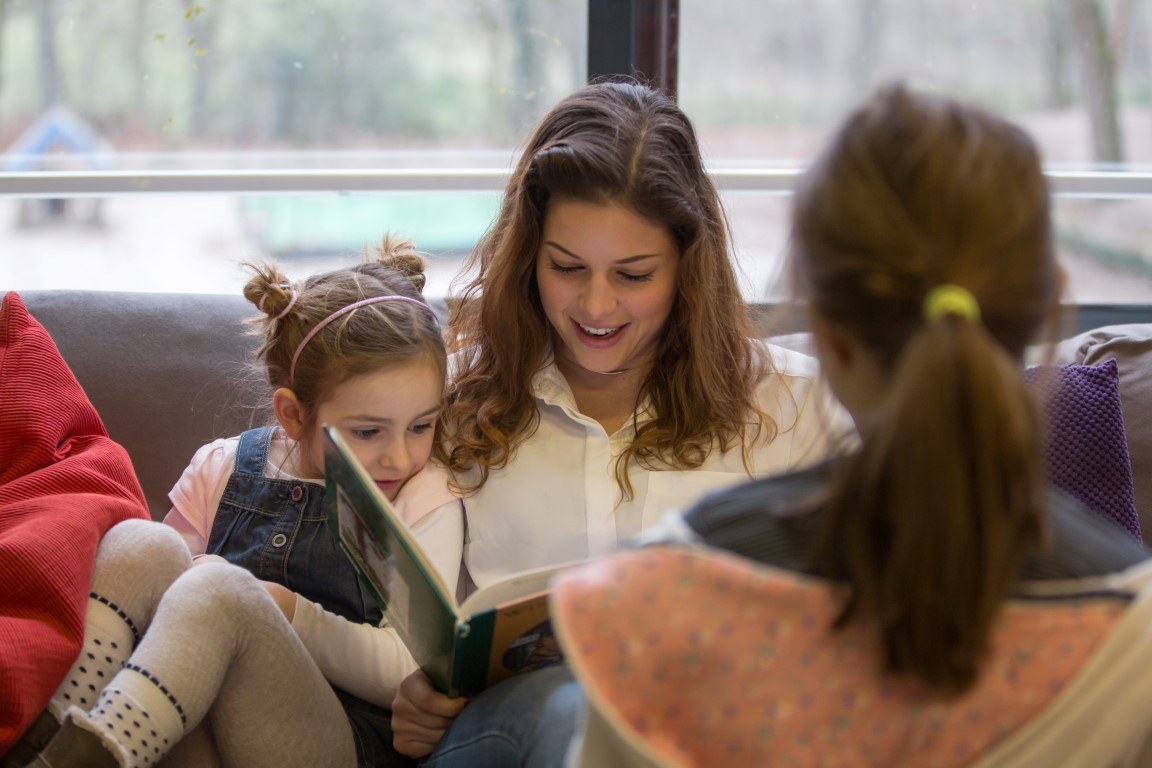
point(496, 632)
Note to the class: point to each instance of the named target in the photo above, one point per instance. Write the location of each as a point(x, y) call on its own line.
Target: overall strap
point(252, 453)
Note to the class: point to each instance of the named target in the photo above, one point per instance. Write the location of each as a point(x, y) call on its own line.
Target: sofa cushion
point(63, 483)
point(1087, 452)
point(1089, 446)
point(1130, 345)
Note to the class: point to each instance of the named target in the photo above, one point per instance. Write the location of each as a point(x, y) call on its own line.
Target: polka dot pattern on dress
point(712, 660)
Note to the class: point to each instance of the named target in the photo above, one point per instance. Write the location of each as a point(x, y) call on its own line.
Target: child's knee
point(143, 551)
point(222, 589)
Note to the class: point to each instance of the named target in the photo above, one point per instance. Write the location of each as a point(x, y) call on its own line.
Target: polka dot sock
point(136, 716)
point(109, 637)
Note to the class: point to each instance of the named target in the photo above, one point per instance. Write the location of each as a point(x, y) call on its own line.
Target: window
point(379, 116)
point(766, 82)
point(371, 117)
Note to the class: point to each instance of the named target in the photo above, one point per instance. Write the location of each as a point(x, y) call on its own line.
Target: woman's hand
point(421, 715)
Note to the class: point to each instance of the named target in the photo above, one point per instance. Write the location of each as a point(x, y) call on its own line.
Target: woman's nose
point(599, 296)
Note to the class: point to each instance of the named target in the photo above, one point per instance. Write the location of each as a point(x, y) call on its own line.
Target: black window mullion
point(639, 38)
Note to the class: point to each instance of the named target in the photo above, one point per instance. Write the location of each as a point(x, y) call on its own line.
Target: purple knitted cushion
point(1087, 448)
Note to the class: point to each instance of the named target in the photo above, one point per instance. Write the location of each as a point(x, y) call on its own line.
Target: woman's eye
point(364, 434)
point(628, 277)
point(562, 269)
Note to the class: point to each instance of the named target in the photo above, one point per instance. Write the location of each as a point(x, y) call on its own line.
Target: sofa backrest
point(167, 372)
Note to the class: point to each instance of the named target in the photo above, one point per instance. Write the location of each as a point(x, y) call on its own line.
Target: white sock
point(109, 637)
point(137, 715)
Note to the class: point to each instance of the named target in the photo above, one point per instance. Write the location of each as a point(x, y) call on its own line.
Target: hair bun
point(269, 290)
point(400, 255)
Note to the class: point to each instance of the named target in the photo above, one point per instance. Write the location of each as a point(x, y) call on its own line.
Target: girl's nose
point(396, 456)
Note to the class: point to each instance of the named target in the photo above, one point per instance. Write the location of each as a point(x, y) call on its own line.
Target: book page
point(509, 589)
point(522, 639)
point(506, 640)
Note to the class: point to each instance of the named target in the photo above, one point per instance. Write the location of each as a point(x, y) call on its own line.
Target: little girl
point(218, 675)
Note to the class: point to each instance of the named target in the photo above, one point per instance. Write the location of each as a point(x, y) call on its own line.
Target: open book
point(496, 632)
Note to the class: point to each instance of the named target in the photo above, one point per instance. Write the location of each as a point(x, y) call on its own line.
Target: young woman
point(922, 243)
point(605, 373)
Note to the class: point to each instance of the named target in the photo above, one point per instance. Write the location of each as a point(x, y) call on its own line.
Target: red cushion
point(63, 483)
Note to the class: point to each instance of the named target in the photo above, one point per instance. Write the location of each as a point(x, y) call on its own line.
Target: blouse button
point(297, 493)
point(279, 540)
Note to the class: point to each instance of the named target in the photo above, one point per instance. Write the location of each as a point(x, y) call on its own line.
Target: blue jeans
point(527, 720)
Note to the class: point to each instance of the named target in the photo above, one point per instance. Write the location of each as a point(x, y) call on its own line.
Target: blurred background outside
point(147, 85)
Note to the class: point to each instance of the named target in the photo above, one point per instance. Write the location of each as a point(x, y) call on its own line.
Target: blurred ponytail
point(930, 522)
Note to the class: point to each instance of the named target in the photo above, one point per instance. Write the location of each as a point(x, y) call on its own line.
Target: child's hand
point(421, 715)
point(284, 597)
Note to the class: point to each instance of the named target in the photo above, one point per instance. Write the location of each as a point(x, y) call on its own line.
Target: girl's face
point(388, 419)
point(607, 279)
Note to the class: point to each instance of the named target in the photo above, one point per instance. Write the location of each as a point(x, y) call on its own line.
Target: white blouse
point(557, 501)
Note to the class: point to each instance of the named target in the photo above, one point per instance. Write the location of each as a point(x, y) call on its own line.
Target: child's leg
point(135, 563)
point(219, 646)
point(196, 750)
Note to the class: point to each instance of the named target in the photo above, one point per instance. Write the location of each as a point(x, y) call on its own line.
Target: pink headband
point(343, 311)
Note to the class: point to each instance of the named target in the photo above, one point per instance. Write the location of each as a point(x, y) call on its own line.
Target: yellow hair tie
point(950, 299)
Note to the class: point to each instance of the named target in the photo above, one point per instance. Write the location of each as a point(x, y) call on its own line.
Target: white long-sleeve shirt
point(557, 501)
point(367, 661)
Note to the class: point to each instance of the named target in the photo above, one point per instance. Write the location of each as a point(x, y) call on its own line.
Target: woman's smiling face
point(607, 279)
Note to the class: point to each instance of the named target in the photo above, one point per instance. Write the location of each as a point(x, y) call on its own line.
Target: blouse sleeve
point(441, 536)
point(819, 424)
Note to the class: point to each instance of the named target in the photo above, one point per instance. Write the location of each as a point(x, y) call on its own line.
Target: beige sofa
point(166, 372)
point(169, 372)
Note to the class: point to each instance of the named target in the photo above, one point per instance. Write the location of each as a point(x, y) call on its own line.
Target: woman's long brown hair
point(609, 142)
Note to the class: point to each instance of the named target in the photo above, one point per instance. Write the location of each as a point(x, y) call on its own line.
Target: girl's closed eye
point(366, 433)
point(422, 427)
point(629, 277)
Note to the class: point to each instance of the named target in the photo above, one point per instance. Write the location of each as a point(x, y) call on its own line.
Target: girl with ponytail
point(928, 592)
point(922, 245)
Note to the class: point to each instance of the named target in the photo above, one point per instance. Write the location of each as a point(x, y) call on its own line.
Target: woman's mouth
point(599, 333)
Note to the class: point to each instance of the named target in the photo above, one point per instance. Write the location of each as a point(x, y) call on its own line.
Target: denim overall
point(277, 530)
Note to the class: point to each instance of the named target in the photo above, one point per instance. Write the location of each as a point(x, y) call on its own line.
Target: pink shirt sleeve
point(196, 495)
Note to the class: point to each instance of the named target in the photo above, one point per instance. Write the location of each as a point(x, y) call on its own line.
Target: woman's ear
point(289, 412)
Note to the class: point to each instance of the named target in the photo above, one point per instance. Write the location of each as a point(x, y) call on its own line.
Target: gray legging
point(216, 641)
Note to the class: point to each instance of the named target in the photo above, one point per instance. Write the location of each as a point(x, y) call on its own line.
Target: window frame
point(625, 37)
